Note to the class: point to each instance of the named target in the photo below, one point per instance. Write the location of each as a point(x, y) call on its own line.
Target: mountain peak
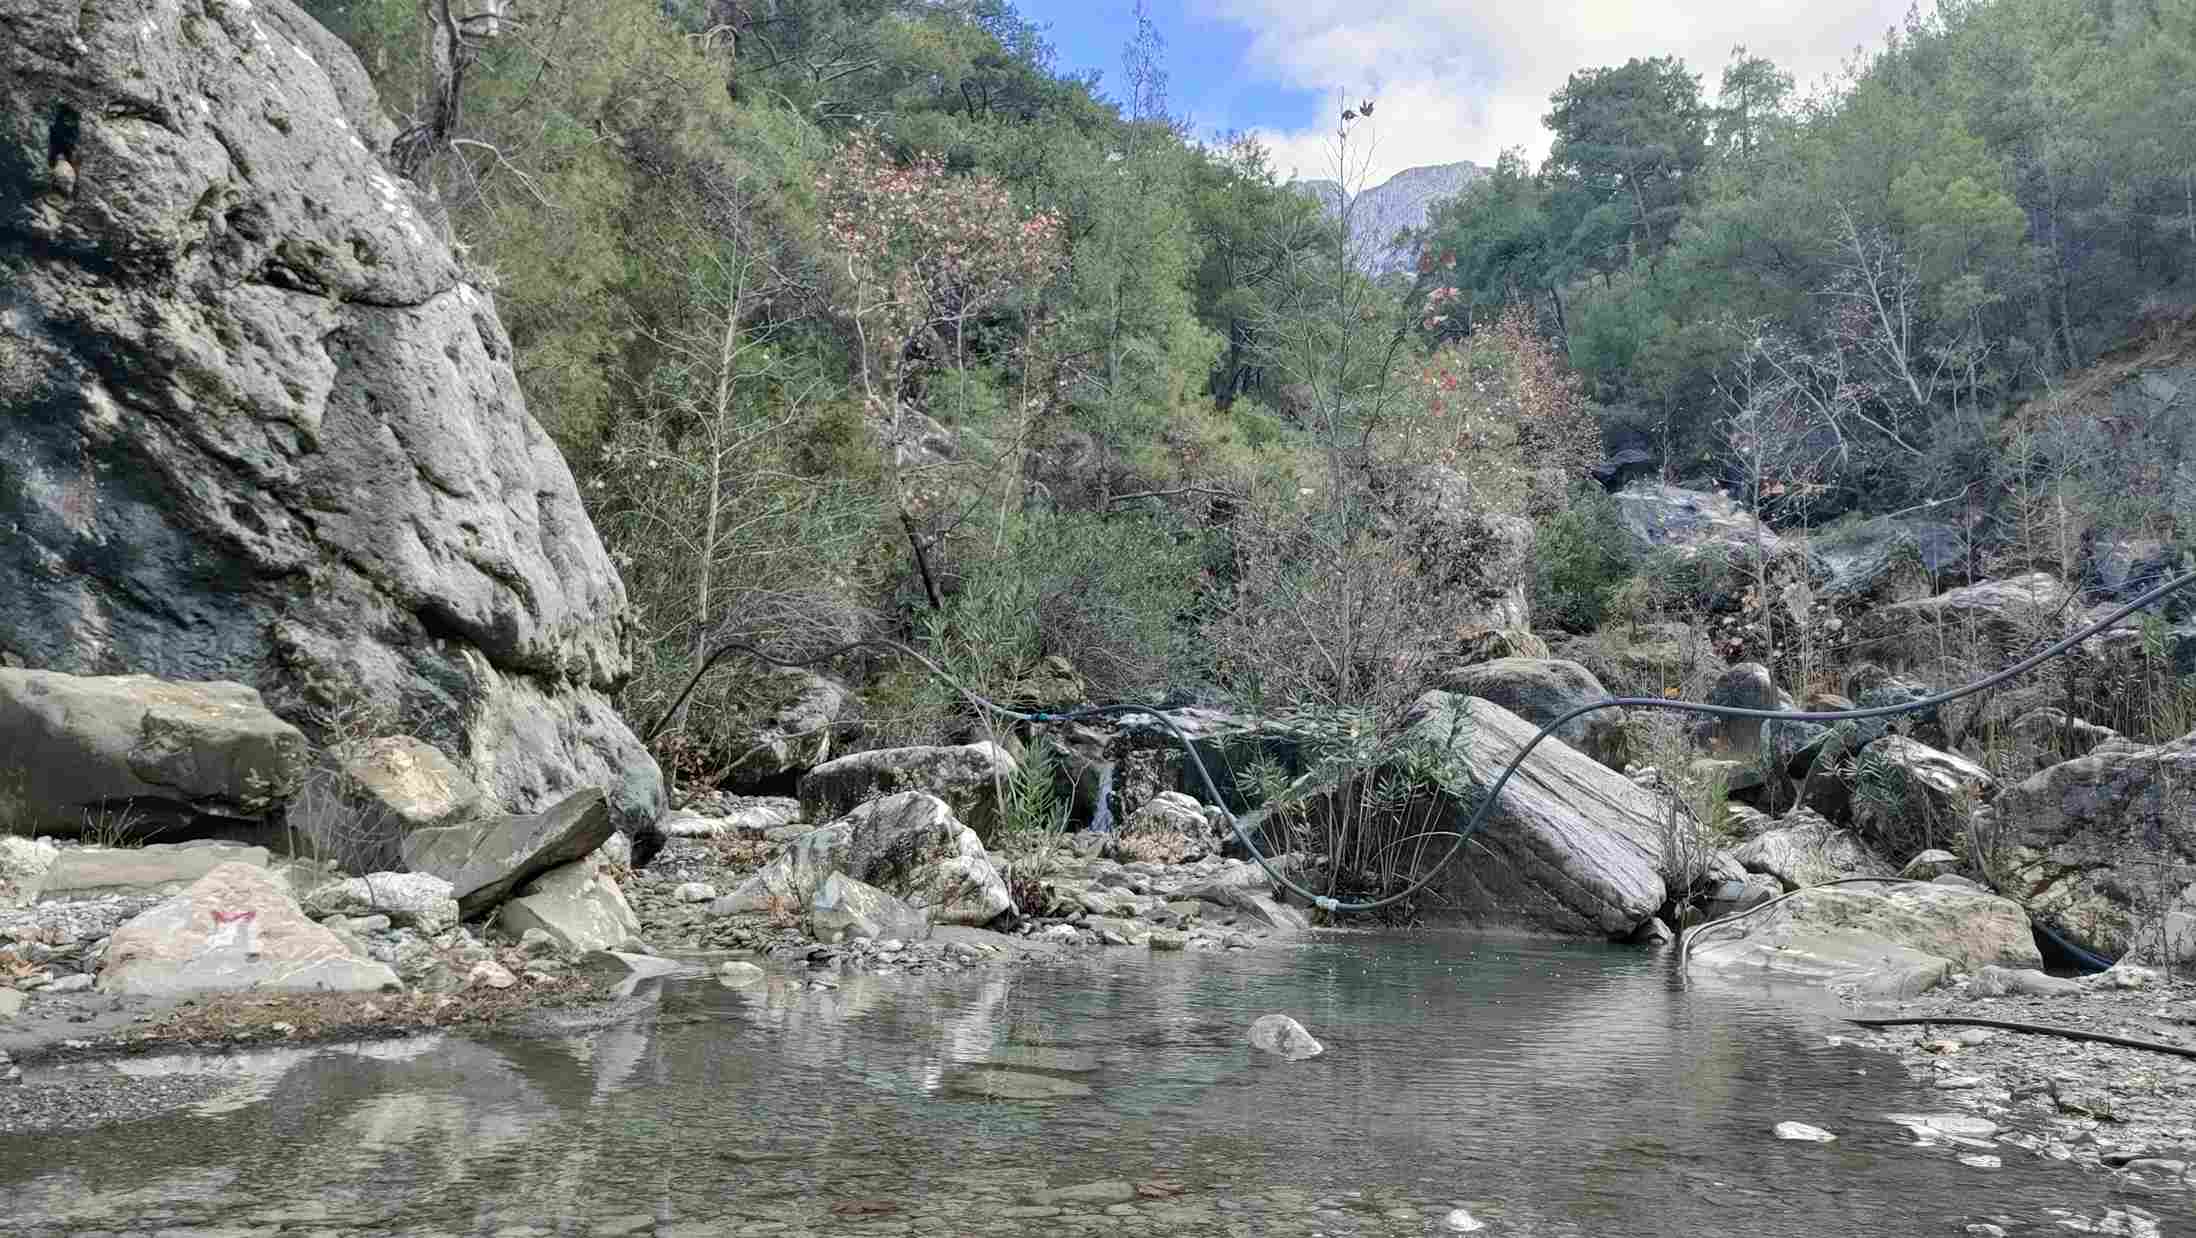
point(1404, 200)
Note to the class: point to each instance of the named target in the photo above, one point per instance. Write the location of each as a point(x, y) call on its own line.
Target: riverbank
point(2126, 1111)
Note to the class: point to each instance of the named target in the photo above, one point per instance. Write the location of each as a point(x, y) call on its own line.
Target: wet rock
point(368, 796)
point(234, 928)
point(1089, 1194)
point(135, 752)
point(1283, 1037)
point(1167, 940)
point(967, 778)
point(327, 481)
point(419, 901)
point(1173, 812)
point(1896, 939)
point(1740, 894)
point(164, 868)
point(738, 973)
point(1802, 1132)
point(844, 909)
point(485, 860)
point(578, 905)
point(1540, 690)
point(1460, 1221)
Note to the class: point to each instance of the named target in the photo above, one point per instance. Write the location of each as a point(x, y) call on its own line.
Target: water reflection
point(1553, 1089)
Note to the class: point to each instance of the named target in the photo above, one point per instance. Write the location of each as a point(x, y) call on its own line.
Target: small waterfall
point(1101, 816)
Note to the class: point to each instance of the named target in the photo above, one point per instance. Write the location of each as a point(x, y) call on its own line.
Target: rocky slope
point(1402, 201)
point(261, 427)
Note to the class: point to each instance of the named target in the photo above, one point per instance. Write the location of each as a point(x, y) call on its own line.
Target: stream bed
point(1521, 1087)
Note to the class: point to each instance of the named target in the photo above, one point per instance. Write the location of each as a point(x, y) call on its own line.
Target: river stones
point(1801, 1132)
point(1284, 1037)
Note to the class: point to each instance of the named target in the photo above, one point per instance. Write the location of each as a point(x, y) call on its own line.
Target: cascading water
point(1101, 816)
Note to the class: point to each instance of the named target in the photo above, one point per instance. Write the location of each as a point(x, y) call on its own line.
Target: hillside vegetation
point(863, 318)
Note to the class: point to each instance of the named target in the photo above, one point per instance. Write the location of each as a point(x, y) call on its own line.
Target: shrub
point(1581, 559)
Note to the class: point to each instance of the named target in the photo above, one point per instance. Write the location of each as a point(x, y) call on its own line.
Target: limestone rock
point(845, 909)
point(164, 868)
point(1892, 939)
point(1741, 894)
point(82, 752)
point(1808, 855)
point(1540, 690)
point(576, 904)
point(2086, 842)
point(1991, 621)
point(908, 845)
point(485, 860)
point(369, 795)
point(23, 864)
point(1571, 846)
point(1283, 1037)
point(418, 901)
point(1907, 793)
point(261, 428)
point(966, 777)
point(1663, 517)
point(234, 928)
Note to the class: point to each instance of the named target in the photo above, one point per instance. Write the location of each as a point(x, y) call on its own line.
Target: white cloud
point(1466, 81)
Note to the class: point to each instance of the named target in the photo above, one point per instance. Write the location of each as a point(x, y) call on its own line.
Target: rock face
point(578, 905)
point(1990, 621)
point(1571, 847)
point(235, 928)
point(908, 845)
point(1402, 201)
point(967, 777)
point(485, 860)
point(261, 429)
point(134, 752)
point(2103, 848)
point(1663, 517)
point(1882, 940)
point(1542, 690)
point(165, 868)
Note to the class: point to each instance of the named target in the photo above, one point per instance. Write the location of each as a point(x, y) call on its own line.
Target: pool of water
point(1541, 1088)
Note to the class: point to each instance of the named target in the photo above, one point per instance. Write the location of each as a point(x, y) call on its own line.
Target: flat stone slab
point(164, 868)
point(484, 861)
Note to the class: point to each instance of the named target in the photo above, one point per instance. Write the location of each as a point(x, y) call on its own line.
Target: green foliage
point(1581, 556)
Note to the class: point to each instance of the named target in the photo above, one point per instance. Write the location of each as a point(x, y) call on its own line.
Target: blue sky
point(1454, 80)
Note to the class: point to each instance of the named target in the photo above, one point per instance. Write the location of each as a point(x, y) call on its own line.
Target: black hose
point(1493, 794)
point(2033, 1029)
point(2088, 961)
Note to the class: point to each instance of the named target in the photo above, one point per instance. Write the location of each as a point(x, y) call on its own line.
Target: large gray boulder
point(1540, 690)
point(909, 845)
point(234, 928)
point(1808, 852)
point(968, 777)
point(845, 910)
point(130, 753)
point(365, 797)
point(260, 427)
point(1989, 622)
point(2102, 848)
point(484, 861)
point(1663, 517)
point(578, 905)
point(1571, 847)
point(1881, 940)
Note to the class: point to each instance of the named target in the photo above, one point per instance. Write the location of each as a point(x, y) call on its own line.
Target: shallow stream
point(1532, 1088)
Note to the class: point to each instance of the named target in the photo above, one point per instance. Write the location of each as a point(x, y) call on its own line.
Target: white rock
point(234, 928)
point(1284, 1037)
point(1803, 1132)
point(491, 973)
point(695, 892)
point(1461, 1222)
point(578, 904)
point(1981, 1161)
point(414, 900)
point(738, 973)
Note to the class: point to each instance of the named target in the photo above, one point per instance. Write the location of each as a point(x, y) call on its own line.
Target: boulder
point(485, 860)
point(1808, 854)
point(1930, 865)
point(1660, 517)
point(577, 905)
point(94, 753)
point(908, 845)
point(164, 868)
point(1890, 560)
point(1540, 690)
point(1907, 794)
point(418, 901)
point(1728, 898)
point(1571, 846)
point(1748, 686)
point(1880, 940)
point(845, 909)
point(23, 865)
point(234, 928)
point(967, 777)
point(366, 797)
point(748, 817)
point(1987, 623)
point(1174, 812)
point(2056, 732)
point(262, 428)
point(1284, 1038)
point(2102, 848)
